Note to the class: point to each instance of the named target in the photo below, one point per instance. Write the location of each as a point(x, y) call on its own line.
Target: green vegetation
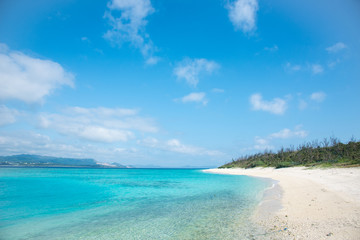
point(328, 153)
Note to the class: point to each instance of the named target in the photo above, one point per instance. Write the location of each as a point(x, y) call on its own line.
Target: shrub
point(327, 153)
point(284, 165)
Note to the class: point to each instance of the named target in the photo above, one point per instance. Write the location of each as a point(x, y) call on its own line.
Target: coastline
point(307, 203)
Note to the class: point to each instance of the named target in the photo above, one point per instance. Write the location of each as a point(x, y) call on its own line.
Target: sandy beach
point(308, 203)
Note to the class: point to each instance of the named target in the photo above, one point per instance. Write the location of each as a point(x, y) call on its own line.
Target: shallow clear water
point(55, 203)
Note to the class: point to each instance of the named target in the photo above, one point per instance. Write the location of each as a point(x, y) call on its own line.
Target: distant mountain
point(27, 160)
point(114, 165)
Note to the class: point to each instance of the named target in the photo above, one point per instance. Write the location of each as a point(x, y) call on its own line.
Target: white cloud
point(292, 67)
point(336, 47)
point(317, 69)
point(152, 60)
point(175, 145)
point(3, 48)
point(7, 115)
point(128, 21)
point(302, 104)
point(85, 39)
point(35, 143)
point(217, 90)
point(98, 124)
point(29, 79)
point(287, 133)
point(318, 96)
point(22, 143)
point(272, 49)
point(314, 68)
point(101, 111)
point(261, 141)
point(149, 141)
point(314, 97)
point(332, 64)
point(242, 14)
point(264, 143)
point(102, 134)
point(275, 106)
point(198, 97)
point(190, 69)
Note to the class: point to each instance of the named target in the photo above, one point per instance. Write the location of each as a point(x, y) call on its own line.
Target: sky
point(178, 82)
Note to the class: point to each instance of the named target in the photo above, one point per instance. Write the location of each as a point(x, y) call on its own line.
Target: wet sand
point(308, 203)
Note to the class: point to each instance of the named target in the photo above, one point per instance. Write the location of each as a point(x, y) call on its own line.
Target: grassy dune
point(327, 153)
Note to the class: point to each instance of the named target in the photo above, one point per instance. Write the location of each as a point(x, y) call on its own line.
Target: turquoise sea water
point(56, 203)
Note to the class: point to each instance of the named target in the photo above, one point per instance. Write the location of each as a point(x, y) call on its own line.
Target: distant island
point(327, 153)
point(28, 160)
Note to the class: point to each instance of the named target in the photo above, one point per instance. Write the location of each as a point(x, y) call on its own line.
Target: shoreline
point(307, 203)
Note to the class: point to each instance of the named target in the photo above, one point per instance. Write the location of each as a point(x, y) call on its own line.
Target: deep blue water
point(57, 203)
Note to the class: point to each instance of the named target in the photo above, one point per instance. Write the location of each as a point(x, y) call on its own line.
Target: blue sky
point(176, 83)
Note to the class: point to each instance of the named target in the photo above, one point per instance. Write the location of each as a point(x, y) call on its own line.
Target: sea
point(80, 203)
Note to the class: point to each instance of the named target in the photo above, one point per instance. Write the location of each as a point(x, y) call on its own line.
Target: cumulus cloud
point(336, 47)
point(217, 90)
point(198, 97)
point(317, 69)
point(264, 143)
point(85, 39)
point(332, 64)
point(175, 145)
point(275, 106)
point(149, 142)
point(292, 67)
point(272, 49)
point(191, 69)
point(302, 104)
point(26, 142)
point(102, 111)
point(287, 133)
point(318, 96)
point(313, 68)
point(7, 115)
point(98, 124)
point(3, 48)
point(152, 60)
point(314, 97)
point(242, 14)
point(29, 79)
point(34, 143)
point(128, 21)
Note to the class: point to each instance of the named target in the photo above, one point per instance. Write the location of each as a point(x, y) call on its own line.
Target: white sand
point(315, 203)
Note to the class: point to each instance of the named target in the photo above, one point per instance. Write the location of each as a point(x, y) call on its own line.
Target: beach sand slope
point(308, 203)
